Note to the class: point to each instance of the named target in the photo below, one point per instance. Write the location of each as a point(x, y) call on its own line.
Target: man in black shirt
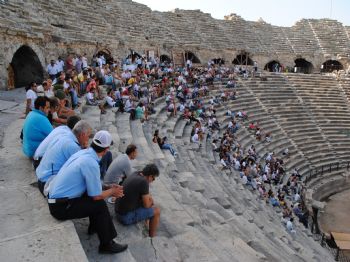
point(137, 203)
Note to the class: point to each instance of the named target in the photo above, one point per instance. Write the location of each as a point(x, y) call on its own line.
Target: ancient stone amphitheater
point(52, 28)
point(207, 214)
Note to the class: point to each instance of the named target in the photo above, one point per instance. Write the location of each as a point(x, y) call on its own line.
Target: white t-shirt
point(90, 96)
point(33, 96)
point(195, 138)
point(289, 226)
point(49, 93)
point(65, 85)
point(110, 101)
point(60, 65)
point(85, 63)
point(244, 179)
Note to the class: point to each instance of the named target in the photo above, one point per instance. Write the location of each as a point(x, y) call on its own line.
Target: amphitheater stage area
point(335, 217)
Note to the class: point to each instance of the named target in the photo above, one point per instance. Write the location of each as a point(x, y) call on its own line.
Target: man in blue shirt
point(76, 192)
point(58, 152)
point(36, 126)
point(53, 137)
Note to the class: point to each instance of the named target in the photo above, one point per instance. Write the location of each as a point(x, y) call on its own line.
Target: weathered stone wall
point(53, 28)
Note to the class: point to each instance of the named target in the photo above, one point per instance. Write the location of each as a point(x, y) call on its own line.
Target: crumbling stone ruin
point(32, 32)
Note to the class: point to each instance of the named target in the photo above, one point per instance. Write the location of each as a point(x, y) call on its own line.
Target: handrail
point(325, 169)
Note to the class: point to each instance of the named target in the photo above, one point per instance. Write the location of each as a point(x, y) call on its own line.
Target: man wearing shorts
point(137, 203)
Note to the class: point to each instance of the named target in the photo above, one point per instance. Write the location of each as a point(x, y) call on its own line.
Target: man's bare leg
point(153, 224)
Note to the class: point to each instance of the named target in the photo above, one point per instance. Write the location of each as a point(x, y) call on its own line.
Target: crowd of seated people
point(76, 175)
point(262, 174)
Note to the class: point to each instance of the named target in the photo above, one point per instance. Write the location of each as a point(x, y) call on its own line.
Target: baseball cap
point(103, 139)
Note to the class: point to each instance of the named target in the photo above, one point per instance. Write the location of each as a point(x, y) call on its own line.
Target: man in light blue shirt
point(61, 150)
point(53, 137)
point(76, 192)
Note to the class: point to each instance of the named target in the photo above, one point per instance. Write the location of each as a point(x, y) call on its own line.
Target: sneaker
point(111, 200)
point(112, 247)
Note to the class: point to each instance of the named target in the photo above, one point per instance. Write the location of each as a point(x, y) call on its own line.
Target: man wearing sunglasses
point(137, 203)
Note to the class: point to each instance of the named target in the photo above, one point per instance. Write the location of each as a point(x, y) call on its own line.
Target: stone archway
point(165, 59)
point(133, 55)
point(107, 55)
point(303, 66)
point(331, 65)
point(243, 59)
point(272, 66)
point(218, 61)
point(26, 67)
point(191, 56)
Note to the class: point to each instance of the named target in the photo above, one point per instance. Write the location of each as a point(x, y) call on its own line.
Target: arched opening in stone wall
point(218, 61)
point(273, 66)
point(191, 56)
point(331, 65)
point(164, 59)
point(303, 66)
point(243, 59)
point(26, 67)
point(133, 55)
point(107, 55)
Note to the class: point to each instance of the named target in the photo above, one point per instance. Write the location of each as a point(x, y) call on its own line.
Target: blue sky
point(283, 13)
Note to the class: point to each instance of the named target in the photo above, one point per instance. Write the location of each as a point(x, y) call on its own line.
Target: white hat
point(103, 139)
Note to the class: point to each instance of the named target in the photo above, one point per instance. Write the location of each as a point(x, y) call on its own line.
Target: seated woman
point(162, 143)
point(139, 112)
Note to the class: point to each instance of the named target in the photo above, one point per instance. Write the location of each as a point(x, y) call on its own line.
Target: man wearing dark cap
point(76, 192)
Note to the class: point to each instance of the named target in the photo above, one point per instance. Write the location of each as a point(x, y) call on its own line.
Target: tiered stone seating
point(302, 38)
point(270, 37)
point(329, 108)
point(138, 27)
point(206, 213)
point(251, 100)
point(332, 37)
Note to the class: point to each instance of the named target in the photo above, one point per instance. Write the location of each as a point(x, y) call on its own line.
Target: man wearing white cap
point(76, 192)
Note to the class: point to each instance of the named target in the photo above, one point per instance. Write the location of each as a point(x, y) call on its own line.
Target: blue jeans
point(169, 147)
point(74, 97)
point(135, 216)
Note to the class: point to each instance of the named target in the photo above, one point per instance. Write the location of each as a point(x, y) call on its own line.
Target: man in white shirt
point(290, 227)
point(109, 98)
point(60, 65)
point(100, 61)
point(53, 137)
point(31, 96)
point(85, 61)
point(52, 69)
